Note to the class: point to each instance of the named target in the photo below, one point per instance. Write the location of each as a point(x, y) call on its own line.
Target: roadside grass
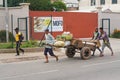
point(6, 45)
point(116, 34)
point(25, 44)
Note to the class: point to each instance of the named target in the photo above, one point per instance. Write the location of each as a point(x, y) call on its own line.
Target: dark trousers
point(48, 50)
point(18, 43)
point(95, 50)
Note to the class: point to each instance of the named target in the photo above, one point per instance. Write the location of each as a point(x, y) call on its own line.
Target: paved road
point(96, 68)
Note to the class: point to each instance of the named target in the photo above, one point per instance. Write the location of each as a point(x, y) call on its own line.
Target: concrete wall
point(2, 19)
point(114, 20)
point(21, 11)
point(1, 2)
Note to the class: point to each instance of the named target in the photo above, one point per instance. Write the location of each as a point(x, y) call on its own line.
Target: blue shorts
point(50, 50)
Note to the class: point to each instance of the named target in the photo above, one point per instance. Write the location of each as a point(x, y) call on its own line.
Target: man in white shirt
point(49, 45)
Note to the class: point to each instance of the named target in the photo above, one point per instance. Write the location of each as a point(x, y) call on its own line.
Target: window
point(93, 2)
point(102, 2)
point(114, 1)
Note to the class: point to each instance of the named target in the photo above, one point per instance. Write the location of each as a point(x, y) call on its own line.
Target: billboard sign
point(54, 24)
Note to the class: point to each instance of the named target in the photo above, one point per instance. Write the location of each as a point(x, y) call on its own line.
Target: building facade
point(17, 17)
point(71, 4)
point(108, 12)
point(113, 5)
point(109, 21)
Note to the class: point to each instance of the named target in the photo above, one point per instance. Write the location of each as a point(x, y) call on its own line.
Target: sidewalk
point(10, 57)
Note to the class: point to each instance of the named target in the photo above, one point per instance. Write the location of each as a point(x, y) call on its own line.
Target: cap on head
point(16, 28)
point(96, 28)
point(101, 28)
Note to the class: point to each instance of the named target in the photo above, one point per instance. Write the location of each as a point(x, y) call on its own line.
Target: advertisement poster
point(54, 24)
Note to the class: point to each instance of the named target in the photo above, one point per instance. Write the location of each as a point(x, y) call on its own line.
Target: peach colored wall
point(81, 25)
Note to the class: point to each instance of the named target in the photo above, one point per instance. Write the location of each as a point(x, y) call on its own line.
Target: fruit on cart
point(59, 44)
point(67, 36)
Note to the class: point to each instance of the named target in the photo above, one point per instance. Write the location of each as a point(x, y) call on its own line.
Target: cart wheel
point(70, 51)
point(85, 53)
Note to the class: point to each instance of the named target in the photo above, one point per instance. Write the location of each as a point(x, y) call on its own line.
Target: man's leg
point(22, 50)
point(17, 48)
point(93, 52)
point(101, 54)
point(103, 47)
point(109, 46)
point(52, 54)
point(46, 56)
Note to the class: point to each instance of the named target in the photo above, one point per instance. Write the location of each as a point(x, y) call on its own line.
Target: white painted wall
point(114, 16)
point(114, 20)
point(1, 2)
point(86, 4)
point(70, 1)
point(21, 11)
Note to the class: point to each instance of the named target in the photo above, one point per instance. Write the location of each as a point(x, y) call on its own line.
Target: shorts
point(50, 50)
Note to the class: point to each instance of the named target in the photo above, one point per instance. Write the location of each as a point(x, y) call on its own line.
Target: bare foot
point(57, 58)
point(112, 54)
point(101, 55)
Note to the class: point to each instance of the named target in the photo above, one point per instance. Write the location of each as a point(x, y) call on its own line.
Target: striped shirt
point(104, 37)
point(49, 39)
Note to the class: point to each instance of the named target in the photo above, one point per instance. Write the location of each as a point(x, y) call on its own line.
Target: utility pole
point(6, 21)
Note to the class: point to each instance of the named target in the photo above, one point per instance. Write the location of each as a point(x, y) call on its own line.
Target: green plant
point(39, 5)
point(59, 5)
point(41, 44)
point(6, 45)
point(116, 33)
point(3, 36)
point(29, 44)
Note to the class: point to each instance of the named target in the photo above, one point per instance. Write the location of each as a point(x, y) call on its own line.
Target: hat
point(101, 28)
point(16, 28)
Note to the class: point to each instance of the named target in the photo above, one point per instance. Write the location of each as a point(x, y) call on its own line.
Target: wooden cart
point(82, 47)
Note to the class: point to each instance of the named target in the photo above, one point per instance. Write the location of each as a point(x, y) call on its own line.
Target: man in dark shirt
point(103, 36)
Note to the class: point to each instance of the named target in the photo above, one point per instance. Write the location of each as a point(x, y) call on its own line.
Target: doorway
point(22, 25)
point(106, 25)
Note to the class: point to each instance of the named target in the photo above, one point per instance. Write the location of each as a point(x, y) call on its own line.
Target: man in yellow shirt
point(18, 42)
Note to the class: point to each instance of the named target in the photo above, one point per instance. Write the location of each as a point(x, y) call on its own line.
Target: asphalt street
point(96, 68)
